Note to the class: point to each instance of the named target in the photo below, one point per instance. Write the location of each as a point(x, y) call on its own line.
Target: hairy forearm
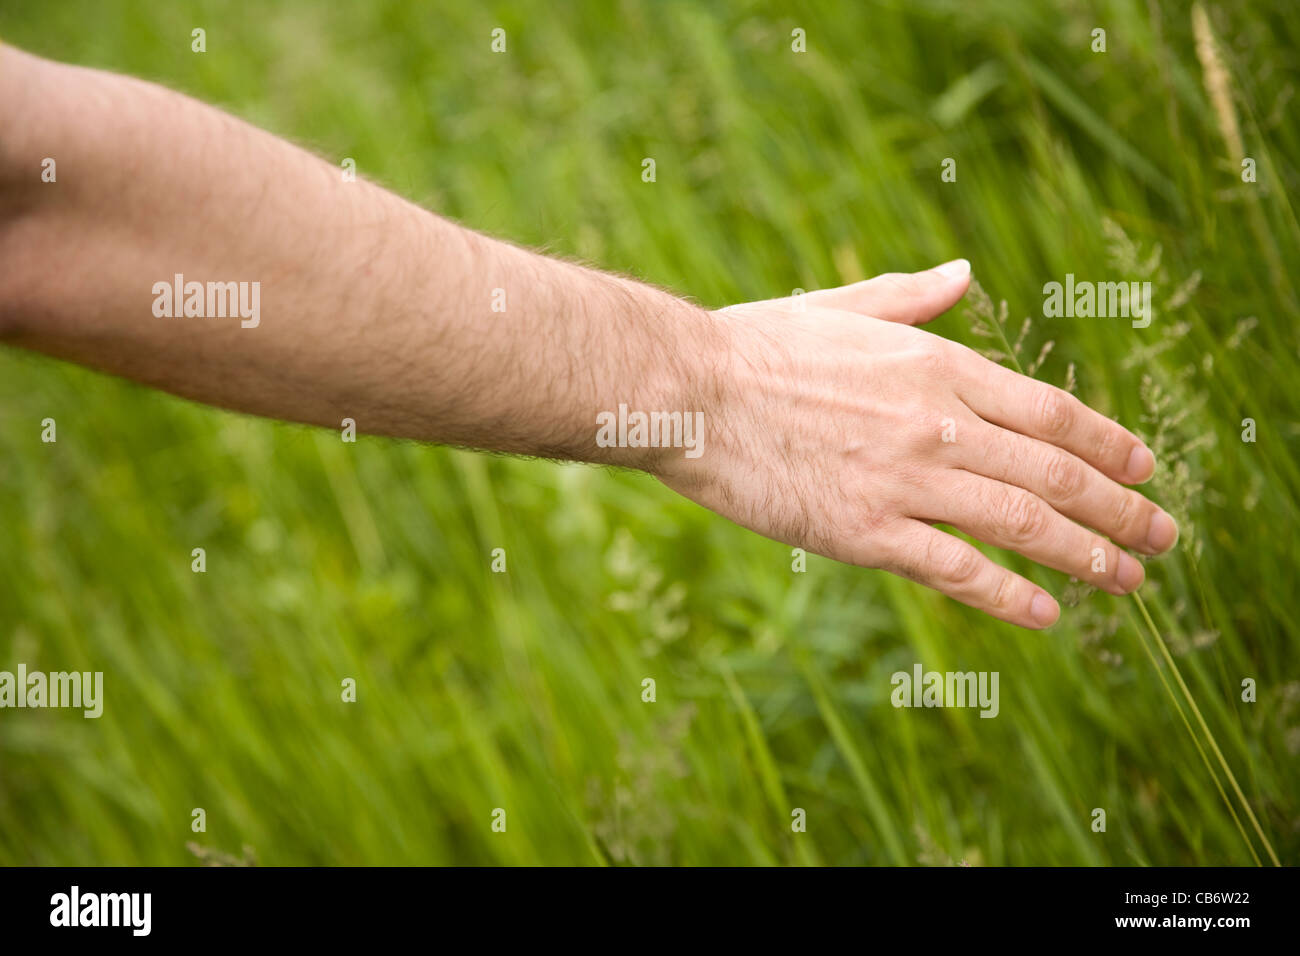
point(367, 306)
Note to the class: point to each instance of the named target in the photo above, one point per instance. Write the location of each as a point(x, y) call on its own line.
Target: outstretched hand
point(843, 429)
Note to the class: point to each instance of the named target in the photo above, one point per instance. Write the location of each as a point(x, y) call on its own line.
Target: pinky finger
point(951, 566)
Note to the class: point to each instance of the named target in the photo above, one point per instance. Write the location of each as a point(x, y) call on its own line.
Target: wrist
point(659, 419)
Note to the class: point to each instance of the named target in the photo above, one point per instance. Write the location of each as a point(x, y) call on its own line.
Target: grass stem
point(1205, 729)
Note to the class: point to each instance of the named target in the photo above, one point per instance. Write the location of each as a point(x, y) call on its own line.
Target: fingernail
point(1129, 574)
point(1043, 610)
point(1141, 464)
point(1162, 534)
point(954, 269)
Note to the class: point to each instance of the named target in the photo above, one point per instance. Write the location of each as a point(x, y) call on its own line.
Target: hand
point(840, 428)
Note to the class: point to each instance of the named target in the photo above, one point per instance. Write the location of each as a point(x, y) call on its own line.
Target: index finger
point(1038, 410)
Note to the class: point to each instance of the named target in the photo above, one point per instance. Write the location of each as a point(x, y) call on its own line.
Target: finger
point(1067, 483)
point(955, 568)
point(911, 298)
point(1018, 520)
point(1051, 414)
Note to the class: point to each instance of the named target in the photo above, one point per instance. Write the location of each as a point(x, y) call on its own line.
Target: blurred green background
point(776, 170)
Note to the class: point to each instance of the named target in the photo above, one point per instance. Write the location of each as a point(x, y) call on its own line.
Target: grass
point(522, 690)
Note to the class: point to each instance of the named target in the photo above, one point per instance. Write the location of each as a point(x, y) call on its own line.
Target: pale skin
point(831, 422)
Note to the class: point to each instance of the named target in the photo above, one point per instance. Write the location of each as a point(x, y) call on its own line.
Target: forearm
point(368, 307)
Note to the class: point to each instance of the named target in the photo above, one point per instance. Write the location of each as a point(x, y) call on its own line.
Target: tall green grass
point(522, 690)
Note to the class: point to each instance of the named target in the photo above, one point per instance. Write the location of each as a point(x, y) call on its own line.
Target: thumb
point(912, 298)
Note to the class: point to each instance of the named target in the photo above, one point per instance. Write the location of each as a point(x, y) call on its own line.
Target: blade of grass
point(1205, 729)
point(857, 766)
point(1155, 664)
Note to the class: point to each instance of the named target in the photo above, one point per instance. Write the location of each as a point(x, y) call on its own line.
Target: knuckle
point(1063, 478)
point(902, 283)
point(869, 522)
point(1112, 563)
point(959, 566)
point(1020, 518)
point(1054, 415)
point(1004, 593)
point(963, 353)
point(868, 518)
point(1109, 445)
point(933, 429)
point(911, 475)
point(933, 359)
point(1128, 510)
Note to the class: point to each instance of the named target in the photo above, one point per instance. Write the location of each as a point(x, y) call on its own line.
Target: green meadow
point(523, 691)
